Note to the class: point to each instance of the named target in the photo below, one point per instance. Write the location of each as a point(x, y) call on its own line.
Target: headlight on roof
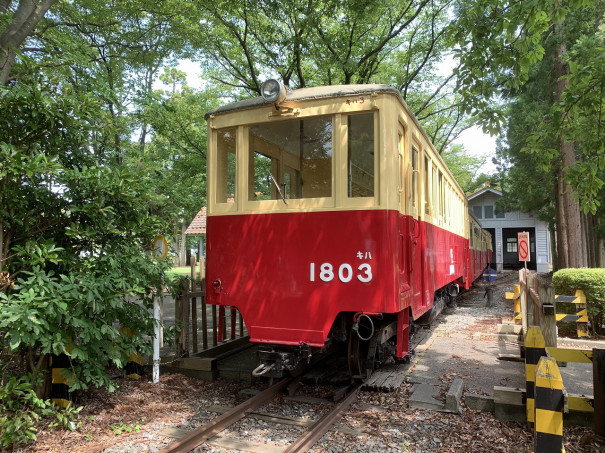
point(273, 91)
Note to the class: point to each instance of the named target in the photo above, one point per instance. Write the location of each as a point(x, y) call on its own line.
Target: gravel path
point(142, 417)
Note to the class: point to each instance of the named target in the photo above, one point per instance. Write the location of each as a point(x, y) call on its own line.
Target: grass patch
point(171, 274)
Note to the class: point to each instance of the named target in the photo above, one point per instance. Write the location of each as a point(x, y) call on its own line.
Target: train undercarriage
point(368, 339)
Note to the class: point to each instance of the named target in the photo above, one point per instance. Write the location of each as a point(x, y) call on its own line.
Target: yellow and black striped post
point(134, 366)
point(535, 347)
point(61, 378)
point(581, 316)
point(549, 407)
point(515, 296)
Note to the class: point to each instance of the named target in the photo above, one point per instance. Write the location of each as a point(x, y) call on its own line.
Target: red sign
point(523, 239)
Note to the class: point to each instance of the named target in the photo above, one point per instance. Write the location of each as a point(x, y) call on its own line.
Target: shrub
point(21, 411)
point(592, 282)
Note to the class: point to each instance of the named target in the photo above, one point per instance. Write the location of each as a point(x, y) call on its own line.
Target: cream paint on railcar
point(241, 121)
point(409, 174)
point(431, 193)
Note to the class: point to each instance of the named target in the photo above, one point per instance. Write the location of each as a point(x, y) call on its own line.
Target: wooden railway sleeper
point(310, 437)
point(203, 433)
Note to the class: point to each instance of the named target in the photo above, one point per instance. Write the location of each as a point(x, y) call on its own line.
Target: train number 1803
point(345, 272)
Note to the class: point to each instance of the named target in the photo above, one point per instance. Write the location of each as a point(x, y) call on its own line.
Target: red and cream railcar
point(332, 219)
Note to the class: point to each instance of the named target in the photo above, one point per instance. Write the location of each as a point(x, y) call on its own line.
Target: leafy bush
point(592, 282)
point(77, 226)
point(21, 411)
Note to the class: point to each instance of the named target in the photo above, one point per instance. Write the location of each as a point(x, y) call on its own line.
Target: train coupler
point(275, 362)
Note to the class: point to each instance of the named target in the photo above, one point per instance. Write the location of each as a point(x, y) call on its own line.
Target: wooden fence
point(194, 317)
point(539, 321)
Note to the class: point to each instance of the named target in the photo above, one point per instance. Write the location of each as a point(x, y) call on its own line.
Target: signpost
point(160, 252)
point(523, 239)
point(524, 255)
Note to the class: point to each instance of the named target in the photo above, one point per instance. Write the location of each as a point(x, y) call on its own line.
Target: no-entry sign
point(523, 239)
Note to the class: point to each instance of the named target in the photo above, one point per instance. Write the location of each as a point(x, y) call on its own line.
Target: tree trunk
point(594, 244)
point(568, 212)
point(22, 23)
point(183, 244)
point(562, 253)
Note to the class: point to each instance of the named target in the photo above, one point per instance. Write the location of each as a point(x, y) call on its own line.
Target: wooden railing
point(193, 316)
point(539, 321)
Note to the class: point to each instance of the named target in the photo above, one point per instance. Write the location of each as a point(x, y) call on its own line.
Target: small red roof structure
point(198, 224)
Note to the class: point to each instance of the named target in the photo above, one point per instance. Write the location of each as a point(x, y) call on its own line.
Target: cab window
point(225, 171)
point(360, 155)
point(290, 159)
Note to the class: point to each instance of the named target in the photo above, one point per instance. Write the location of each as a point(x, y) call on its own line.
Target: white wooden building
point(504, 227)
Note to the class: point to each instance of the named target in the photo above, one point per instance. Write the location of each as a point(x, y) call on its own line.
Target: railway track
point(302, 444)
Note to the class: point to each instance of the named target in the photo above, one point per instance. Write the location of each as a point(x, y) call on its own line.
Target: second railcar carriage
point(332, 220)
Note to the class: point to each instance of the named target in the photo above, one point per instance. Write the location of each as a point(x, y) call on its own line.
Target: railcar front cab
point(321, 149)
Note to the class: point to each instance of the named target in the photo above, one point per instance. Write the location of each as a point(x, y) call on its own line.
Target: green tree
point(75, 234)
point(75, 204)
point(18, 21)
point(465, 168)
point(329, 42)
point(499, 41)
point(176, 157)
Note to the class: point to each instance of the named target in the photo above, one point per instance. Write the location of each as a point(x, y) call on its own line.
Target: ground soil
point(135, 417)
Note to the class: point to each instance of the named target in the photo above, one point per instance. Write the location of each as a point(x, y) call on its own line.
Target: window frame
point(337, 109)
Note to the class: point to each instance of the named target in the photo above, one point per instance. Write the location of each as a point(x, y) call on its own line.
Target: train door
point(415, 226)
point(403, 228)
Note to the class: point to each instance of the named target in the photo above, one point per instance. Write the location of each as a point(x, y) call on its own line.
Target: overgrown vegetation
point(592, 282)
point(103, 143)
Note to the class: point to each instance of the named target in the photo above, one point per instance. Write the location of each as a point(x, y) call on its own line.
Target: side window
point(225, 165)
point(488, 211)
point(441, 199)
point(360, 155)
point(435, 197)
point(414, 176)
point(401, 159)
point(478, 211)
point(427, 191)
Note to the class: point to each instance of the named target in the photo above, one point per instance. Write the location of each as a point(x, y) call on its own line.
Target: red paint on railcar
point(290, 274)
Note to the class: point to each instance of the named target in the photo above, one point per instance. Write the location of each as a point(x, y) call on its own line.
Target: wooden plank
point(534, 295)
point(186, 322)
point(510, 358)
point(204, 323)
point(548, 323)
point(308, 400)
point(570, 355)
point(178, 314)
point(193, 307)
point(230, 443)
point(598, 376)
point(580, 403)
point(199, 364)
point(286, 420)
point(224, 442)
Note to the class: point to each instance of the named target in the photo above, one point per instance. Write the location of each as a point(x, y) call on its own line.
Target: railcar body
point(331, 218)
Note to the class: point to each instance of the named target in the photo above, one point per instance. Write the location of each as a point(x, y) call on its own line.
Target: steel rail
point(203, 433)
point(308, 439)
